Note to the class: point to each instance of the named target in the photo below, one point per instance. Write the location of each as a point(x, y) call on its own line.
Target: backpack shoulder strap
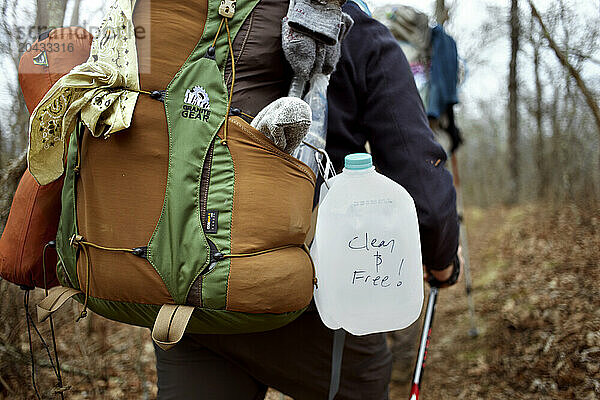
point(339, 336)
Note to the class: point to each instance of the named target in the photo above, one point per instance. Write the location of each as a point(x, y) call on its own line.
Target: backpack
point(190, 220)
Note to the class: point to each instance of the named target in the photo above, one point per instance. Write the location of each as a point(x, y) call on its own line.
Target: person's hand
point(442, 278)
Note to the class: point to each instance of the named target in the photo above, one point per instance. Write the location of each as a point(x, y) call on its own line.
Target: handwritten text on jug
point(375, 274)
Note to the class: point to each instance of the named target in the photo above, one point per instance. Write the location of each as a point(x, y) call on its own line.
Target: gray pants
point(294, 359)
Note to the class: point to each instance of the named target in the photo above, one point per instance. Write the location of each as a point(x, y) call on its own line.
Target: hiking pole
point(424, 346)
point(465, 246)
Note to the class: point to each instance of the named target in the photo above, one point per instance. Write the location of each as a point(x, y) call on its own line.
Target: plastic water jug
point(367, 252)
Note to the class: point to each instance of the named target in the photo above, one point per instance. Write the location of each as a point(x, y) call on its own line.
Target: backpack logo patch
point(41, 59)
point(196, 104)
point(211, 224)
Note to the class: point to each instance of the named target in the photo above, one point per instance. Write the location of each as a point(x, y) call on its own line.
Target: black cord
point(27, 317)
point(57, 369)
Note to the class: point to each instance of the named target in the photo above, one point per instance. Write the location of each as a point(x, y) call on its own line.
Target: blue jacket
point(372, 97)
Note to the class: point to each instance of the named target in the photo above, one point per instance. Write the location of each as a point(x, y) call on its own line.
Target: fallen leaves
point(535, 272)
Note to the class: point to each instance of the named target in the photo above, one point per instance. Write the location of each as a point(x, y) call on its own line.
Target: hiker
point(372, 96)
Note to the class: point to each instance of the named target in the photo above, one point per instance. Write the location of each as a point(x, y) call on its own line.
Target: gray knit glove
point(285, 122)
point(299, 49)
point(307, 56)
point(318, 19)
point(333, 53)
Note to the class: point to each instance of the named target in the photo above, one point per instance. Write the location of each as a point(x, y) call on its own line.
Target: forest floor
point(535, 285)
point(535, 278)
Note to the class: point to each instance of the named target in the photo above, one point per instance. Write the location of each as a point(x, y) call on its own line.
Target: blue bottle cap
point(358, 161)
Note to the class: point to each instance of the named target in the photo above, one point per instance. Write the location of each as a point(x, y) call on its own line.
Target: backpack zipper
point(214, 255)
point(205, 183)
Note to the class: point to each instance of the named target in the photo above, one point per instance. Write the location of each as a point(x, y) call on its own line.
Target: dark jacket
point(372, 97)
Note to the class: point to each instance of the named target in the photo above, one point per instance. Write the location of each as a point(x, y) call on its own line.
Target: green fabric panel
point(213, 19)
point(178, 249)
point(202, 321)
point(129, 313)
point(220, 198)
point(67, 225)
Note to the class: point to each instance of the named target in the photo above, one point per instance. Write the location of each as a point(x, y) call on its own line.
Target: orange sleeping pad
point(35, 211)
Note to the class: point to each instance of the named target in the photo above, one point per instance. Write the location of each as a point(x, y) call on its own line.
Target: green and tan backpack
point(190, 220)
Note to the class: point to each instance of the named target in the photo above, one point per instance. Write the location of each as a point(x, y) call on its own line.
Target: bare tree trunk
point(50, 14)
point(9, 180)
point(540, 158)
point(556, 151)
point(3, 138)
point(56, 12)
point(513, 112)
point(441, 12)
point(75, 16)
point(41, 19)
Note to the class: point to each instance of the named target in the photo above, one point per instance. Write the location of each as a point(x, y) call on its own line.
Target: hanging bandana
point(104, 90)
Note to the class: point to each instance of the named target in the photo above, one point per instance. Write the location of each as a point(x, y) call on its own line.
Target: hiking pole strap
point(170, 325)
point(339, 336)
point(57, 296)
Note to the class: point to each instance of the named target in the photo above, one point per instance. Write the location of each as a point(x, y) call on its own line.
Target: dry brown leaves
point(536, 279)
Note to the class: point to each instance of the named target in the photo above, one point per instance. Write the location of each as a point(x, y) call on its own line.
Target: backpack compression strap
point(170, 325)
point(57, 296)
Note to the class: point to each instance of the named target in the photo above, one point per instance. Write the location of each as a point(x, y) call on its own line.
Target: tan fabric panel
point(273, 192)
point(176, 28)
point(271, 208)
point(120, 196)
point(122, 277)
point(275, 282)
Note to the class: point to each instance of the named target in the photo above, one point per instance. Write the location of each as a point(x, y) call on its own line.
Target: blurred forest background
point(537, 139)
point(530, 174)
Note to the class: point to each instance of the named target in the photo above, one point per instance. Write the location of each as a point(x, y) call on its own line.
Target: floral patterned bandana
point(103, 90)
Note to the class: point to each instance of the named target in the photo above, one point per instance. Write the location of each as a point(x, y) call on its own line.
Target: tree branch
point(564, 60)
point(441, 12)
point(7, 386)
